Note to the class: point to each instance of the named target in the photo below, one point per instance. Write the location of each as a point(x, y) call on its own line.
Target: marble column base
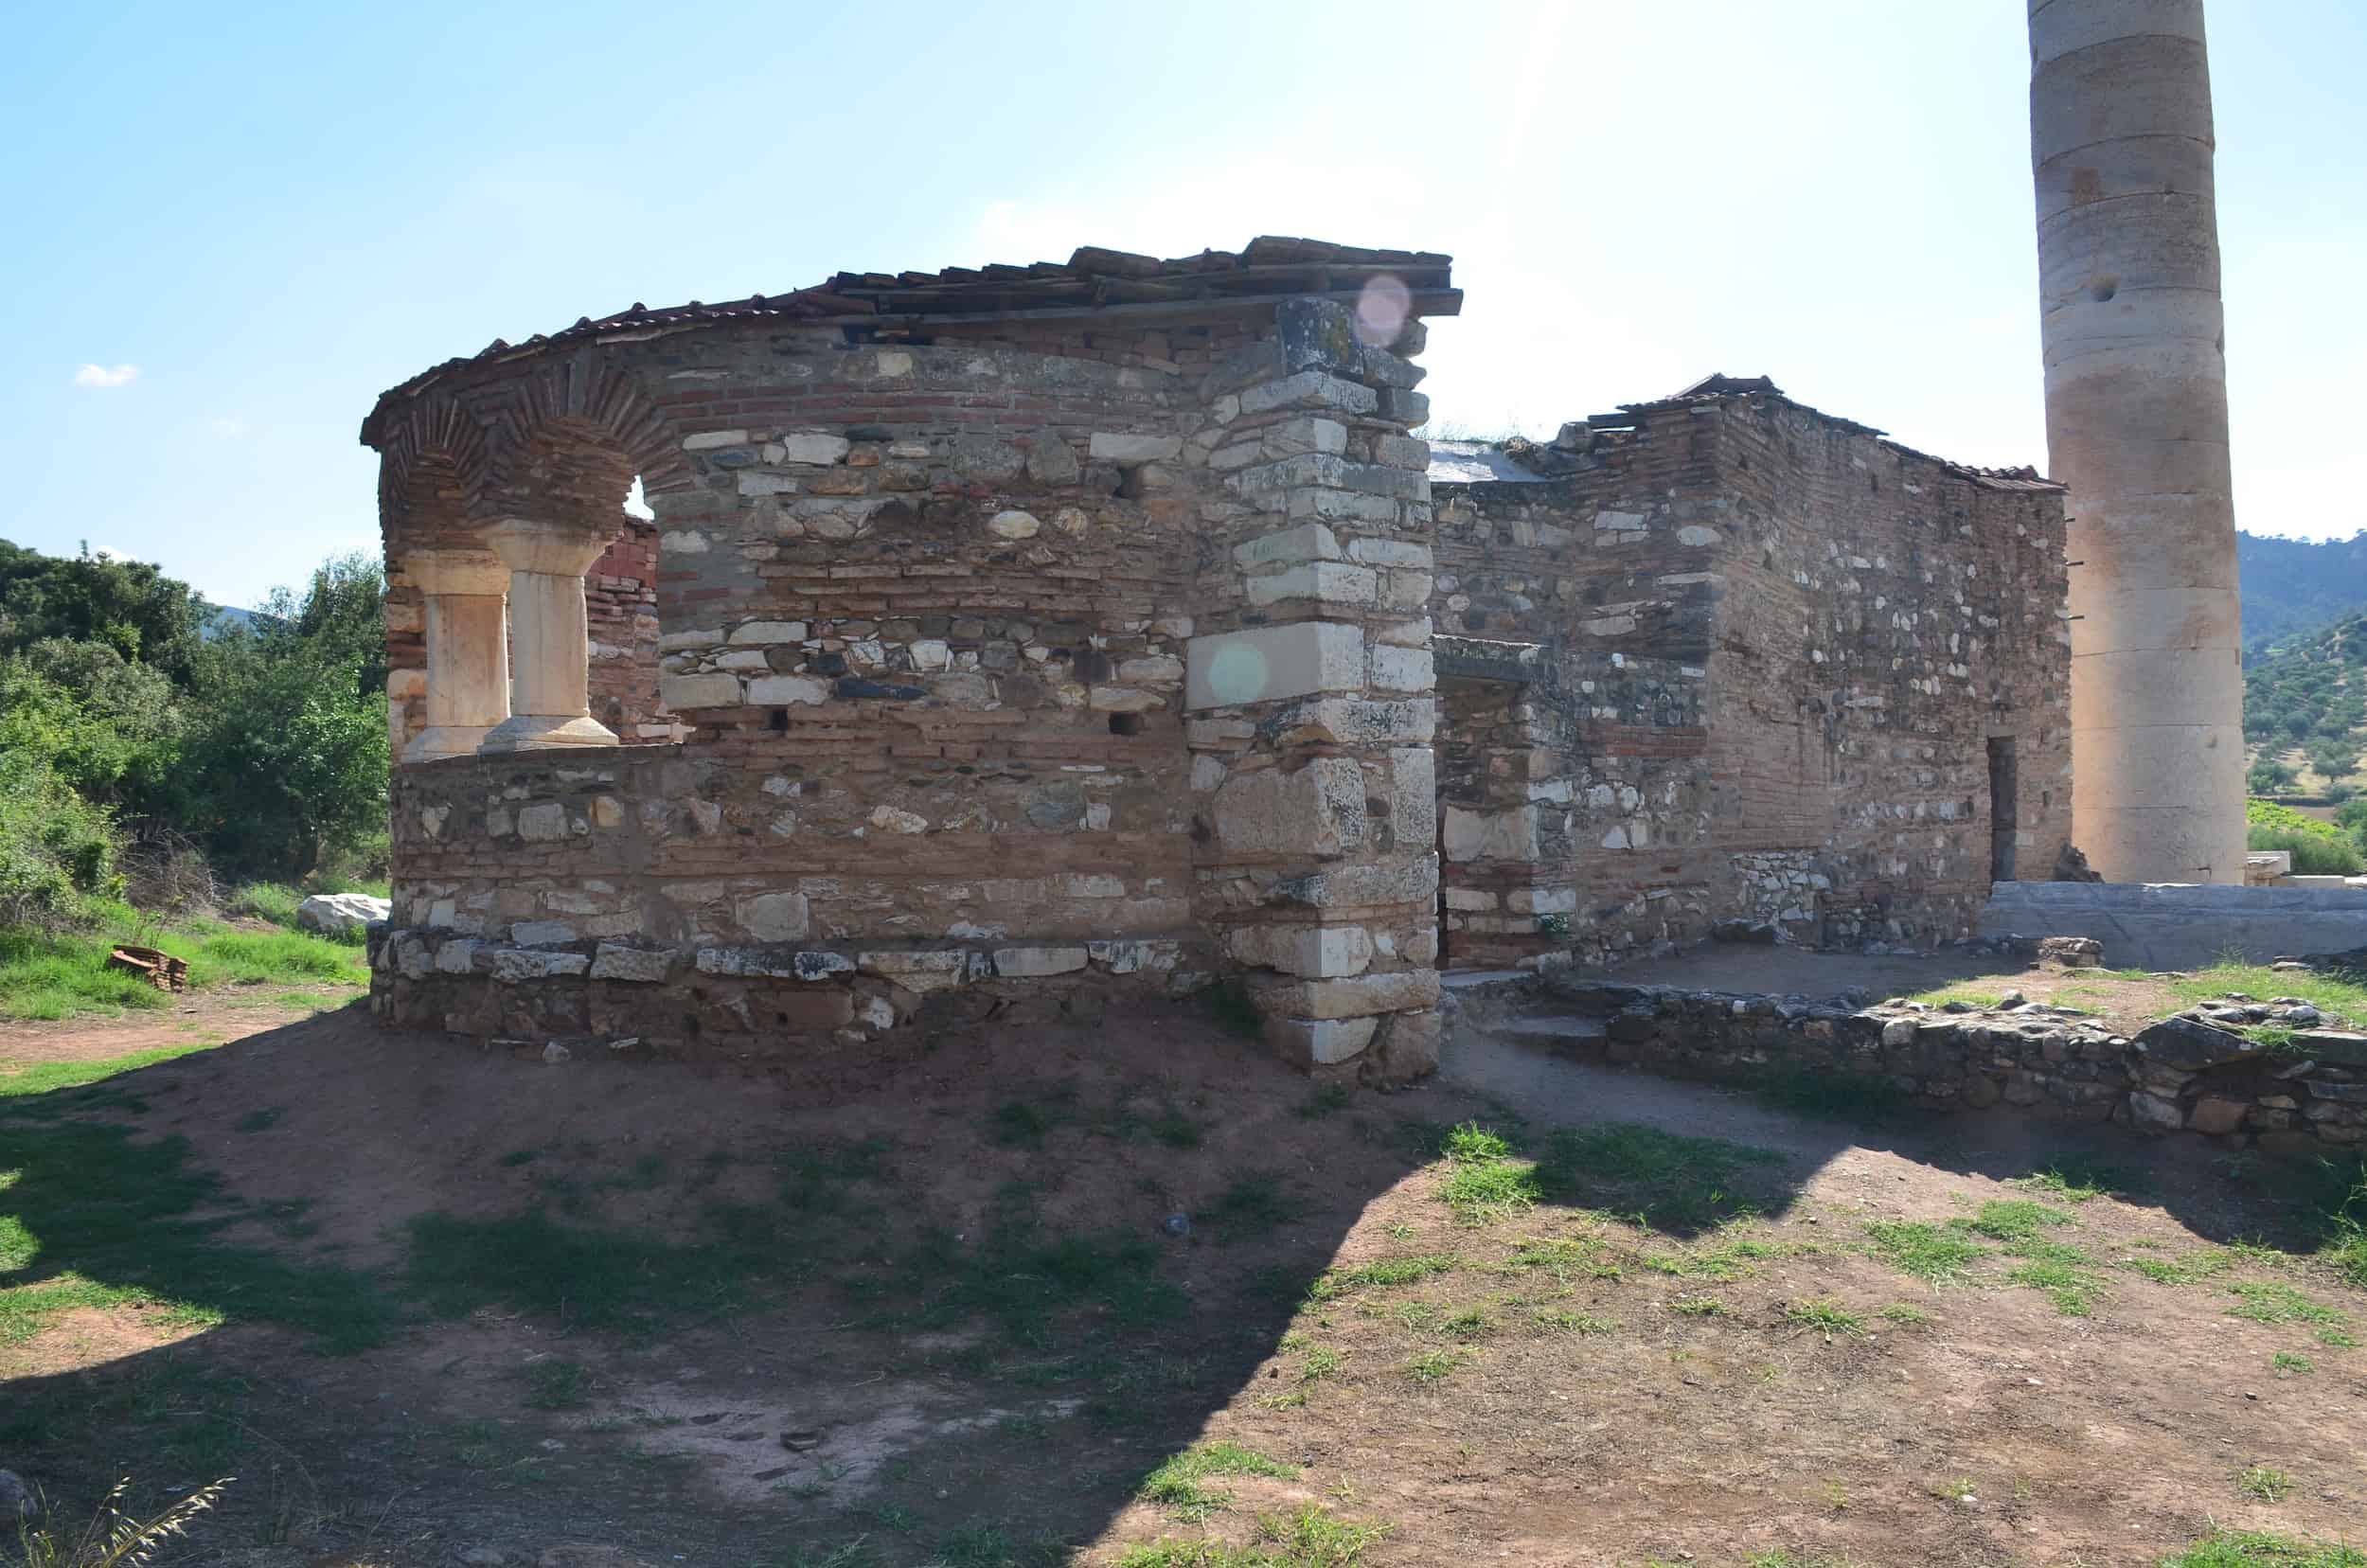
point(546, 731)
point(446, 740)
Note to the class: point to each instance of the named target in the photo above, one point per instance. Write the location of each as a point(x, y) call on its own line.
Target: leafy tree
point(130, 606)
point(2267, 777)
point(340, 622)
point(107, 726)
point(56, 850)
point(284, 767)
point(267, 745)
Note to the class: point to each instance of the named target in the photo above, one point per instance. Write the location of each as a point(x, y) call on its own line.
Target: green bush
point(56, 850)
point(2267, 777)
point(283, 772)
point(2319, 848)
point(2314, 854)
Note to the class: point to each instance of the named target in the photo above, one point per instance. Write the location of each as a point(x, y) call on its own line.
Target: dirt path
point(939, 1310)
point(210, 1017)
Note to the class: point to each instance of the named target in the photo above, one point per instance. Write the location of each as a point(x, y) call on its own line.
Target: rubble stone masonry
point(1024, 655)
point(1751, 663)
point(1006, 638)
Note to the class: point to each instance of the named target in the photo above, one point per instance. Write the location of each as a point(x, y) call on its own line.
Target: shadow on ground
point(427, 1301)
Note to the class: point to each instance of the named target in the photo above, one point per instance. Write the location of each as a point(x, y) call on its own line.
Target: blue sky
point(271, 213)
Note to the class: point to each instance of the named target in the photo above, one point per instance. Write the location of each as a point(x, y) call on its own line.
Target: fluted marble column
point(2122, 152)
point(549, 644)
point(468, 649)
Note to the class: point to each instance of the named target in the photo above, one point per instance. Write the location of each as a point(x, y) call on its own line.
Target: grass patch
point(1328, 1100)
point(1485, 1182)
point(2270, 1037)
point(2269, 1486)
point(597, 1278)
point(1473, 1323)
point(2014, 1220)
point(1665, 1180)
point(2074, 1289)
point(1933, 1254)
point(2271, 1301)
point(2345, 1249)
point(1904, 1316)
point(1026, 1124)
point(2078, 1182)
point(1433, 1365)
point(1562, 1256)
point(1969, 997)
point(1726, 1261)
point(46, 1076)
point(1310, 1539)
point(52, 977)
point(2286, 1360)
point(2328, 992)
point(1383, 1271)
point(2248, 1549)
point(1572, 1322)
point(2184, 1269)
point(556, 1384)
point(1255, 1202)
point(96, 1220)
point(1825, 1316)
point(1179, 1484)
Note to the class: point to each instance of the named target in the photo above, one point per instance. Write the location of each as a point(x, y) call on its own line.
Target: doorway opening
point(2002, 782)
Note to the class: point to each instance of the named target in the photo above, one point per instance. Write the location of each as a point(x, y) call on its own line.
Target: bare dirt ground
point(197, 1018)
point(934, 1312)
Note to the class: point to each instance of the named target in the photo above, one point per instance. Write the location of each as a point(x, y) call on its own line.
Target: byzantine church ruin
point(1006, 640)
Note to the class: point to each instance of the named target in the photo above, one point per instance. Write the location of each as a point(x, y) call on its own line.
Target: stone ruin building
point(1721, 658)
point(1011, 639)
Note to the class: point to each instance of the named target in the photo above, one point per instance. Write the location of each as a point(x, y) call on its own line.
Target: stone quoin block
point(1316, 810)
point(1319, 1041)
point(1268, 663)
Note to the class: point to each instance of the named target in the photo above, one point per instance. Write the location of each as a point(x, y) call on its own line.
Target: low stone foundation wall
point(761, 1004)
point(2183, 1073)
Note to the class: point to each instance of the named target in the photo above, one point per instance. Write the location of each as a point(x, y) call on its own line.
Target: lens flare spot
point(1237, 674)
point(1382, 308)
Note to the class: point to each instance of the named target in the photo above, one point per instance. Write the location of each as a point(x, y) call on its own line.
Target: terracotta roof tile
point(1718, 388)
point(1094, 277)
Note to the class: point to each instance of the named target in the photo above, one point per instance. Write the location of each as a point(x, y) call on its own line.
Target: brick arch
point(433, 467)
point(577, 430)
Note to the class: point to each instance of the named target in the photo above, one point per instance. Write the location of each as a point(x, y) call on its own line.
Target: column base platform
point(446, 740)
point(546, 731)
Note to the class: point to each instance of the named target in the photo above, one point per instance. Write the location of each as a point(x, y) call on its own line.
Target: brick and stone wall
point(733, 898)
point(1061, 651)
point(1774, 651)
point(1885, 616)
point(620, 611)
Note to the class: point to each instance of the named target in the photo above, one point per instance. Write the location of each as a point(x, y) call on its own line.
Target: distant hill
point(2299, 585)
point(222, 619)
point(2305, 711)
